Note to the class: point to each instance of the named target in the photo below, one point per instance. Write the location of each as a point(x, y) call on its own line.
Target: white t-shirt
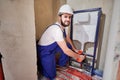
point(52, 34)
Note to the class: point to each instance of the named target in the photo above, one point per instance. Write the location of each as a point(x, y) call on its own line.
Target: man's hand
point(79, 52)
point(81, 58)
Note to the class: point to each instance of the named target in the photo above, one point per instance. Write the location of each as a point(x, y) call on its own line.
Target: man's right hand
point(80, 58)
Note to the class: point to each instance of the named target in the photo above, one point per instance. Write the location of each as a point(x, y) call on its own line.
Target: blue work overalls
point(47, 62)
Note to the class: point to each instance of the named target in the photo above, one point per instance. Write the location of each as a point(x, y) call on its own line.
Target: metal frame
point(96, 36)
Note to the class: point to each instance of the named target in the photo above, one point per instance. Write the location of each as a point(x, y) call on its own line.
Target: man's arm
point(66, 50)
point(69, 52)
point(71, 43)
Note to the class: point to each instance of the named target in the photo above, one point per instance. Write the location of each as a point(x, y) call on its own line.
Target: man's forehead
point(66, 14)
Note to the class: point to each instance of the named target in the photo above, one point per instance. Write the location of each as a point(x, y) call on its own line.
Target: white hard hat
point(65, 9)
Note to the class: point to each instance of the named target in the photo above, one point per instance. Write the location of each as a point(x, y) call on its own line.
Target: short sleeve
point(57, 34)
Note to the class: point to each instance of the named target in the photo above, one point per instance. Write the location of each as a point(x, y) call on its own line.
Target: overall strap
point(64, 32)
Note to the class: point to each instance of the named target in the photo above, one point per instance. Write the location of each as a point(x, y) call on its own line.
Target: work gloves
point(81, 56)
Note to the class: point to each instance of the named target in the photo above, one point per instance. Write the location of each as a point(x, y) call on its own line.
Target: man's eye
point(69, 17)
point(65, 17)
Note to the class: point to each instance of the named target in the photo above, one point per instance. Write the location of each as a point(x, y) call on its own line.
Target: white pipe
point(108, 70)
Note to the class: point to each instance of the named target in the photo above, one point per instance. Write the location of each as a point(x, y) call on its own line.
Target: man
point(55, 39)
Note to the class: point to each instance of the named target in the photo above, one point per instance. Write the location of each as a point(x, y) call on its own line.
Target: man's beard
point(63, 24)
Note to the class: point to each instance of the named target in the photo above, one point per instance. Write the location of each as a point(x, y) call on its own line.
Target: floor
point(71, 73)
